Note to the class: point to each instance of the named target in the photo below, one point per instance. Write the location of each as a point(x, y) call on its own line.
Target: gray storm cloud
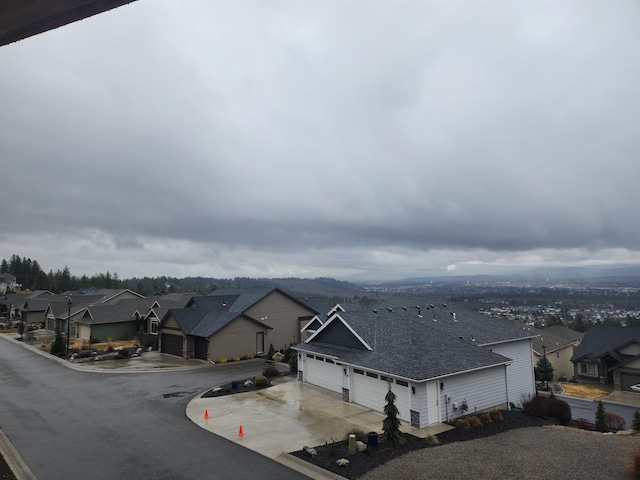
point(314, 136)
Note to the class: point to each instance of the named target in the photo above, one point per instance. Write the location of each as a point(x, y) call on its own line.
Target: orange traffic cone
point(206, 413)
point(240, 432)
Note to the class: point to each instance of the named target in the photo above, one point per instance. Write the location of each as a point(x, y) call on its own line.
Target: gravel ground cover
point(525, 454)
point(520, 447)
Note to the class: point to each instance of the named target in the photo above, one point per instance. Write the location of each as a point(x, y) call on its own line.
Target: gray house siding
point(480, 389)
point(520, 376)
point(282, 314)
point(113, 331)
point(238, 338)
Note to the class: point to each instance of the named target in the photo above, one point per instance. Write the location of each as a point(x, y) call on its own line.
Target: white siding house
point(441, 362)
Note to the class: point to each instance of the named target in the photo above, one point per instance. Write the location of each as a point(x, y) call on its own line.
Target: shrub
point(584, 424)
point(635, 422)
point(634, 465)
point(248, 356)
point(118, 356)
point(432, 440)
point(463, 424)
point(539, 406)
point(613, 421)
point(109, 348)
point(270, 372)
point(486, 419)
point(474, 421)
point(271, 351)
point(496, 415)
point(360, 435)
point(261, 381)
point(235, 358)
point(222, 360)
point(534, 406)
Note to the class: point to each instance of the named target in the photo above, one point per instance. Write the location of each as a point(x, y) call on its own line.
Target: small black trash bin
point(372, 439)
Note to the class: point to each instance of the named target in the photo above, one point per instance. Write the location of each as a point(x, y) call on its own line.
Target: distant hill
point(327, 287)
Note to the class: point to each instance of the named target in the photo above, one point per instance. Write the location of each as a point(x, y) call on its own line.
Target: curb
point(14, 460)
point(306, 468)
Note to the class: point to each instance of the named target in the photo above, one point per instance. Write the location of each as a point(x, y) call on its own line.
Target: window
point(310, 356)
point(588, 369)
point(402, 383)
point(328, 360)
point(384, 378)
point(358, 371)
point(372, 375)
point(154, 327)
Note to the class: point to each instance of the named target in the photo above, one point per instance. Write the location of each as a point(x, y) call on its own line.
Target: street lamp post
point(544, 355)
point(68, 320)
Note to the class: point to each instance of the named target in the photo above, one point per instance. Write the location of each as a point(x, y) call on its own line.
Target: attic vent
point(444, 305)
point(390, 309)
point(375, 310)
point(404, 308)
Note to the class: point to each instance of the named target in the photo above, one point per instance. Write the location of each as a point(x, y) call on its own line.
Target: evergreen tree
point(391, 423)
point(58, 344)
point(601, 420)
point(544, 369)
point(635, 421)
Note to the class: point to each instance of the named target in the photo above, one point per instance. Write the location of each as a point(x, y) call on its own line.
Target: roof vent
point(375, 310)
point(453, 314)
point(404, 308)
point(390, 309)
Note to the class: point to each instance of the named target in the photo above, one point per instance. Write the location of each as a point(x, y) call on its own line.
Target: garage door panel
point(627, 379)
point(324, 374)
point(370, 391)
point(171, 344)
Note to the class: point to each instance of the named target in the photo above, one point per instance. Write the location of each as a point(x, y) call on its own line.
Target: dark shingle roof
point(600, 341)
point(410, 350)
point(418, 348)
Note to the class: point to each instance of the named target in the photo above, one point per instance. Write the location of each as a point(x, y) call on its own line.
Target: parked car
point(636, 387)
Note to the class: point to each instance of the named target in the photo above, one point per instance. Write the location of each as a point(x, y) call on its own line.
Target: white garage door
point(324, 373)
point(370, 389)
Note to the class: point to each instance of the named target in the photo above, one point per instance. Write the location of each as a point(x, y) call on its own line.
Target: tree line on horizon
point(32, 277)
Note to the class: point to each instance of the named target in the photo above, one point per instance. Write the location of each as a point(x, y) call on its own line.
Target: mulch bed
point(229, 389)
point(373, 457)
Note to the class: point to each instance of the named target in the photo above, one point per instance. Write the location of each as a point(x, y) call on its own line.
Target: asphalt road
point(73, 424)
point(585, 408)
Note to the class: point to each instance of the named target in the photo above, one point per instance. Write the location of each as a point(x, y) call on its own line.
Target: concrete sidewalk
point(623, 398)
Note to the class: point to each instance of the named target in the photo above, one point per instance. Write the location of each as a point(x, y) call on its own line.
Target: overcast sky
point(350, 139)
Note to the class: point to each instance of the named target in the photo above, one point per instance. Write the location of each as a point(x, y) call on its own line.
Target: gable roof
point(554, 338)
point(403, 345)
point(247, 297)
point(600, 341)
point(312, 325)
point(338, 332)
point(201, 322)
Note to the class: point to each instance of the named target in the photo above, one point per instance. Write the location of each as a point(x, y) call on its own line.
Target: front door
point(260, 342)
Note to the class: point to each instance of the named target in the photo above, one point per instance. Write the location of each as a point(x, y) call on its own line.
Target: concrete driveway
point(294, 413)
